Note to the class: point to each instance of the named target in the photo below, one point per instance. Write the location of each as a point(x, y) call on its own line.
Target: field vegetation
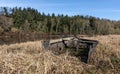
point(25, 26)
point(31, 58)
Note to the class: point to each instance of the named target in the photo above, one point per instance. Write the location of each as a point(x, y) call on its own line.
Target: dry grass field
point(31, 58)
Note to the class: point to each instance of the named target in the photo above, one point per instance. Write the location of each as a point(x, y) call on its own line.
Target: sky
point(109, 9)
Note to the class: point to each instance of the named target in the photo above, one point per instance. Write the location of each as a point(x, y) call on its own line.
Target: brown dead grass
point(31, 58)
point(107, 54)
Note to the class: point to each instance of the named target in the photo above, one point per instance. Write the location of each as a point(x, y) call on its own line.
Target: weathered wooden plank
point(80, 47)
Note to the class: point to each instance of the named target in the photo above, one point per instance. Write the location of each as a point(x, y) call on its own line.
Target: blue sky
point(109, 9)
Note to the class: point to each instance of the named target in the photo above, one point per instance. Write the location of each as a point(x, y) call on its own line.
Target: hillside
point(30, 20)
point(23, 29)
point(5, 24)
point(31, 58)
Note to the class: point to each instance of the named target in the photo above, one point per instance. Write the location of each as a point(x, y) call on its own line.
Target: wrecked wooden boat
point(81, 48)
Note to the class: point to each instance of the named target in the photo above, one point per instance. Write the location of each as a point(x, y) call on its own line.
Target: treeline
point(29, 19)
